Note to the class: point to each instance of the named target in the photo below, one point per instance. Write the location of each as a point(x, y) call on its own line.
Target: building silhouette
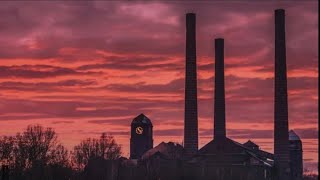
point(141, 136)
point(222, 158)
point(296, 162)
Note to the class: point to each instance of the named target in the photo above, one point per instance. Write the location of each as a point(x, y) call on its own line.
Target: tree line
point(36, 153)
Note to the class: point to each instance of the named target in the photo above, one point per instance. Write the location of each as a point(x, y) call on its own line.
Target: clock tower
point(141, 136)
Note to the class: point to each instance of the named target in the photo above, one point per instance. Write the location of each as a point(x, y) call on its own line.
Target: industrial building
point(222, 158)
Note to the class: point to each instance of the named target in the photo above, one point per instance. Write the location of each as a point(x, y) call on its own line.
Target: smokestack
point(281, 139)
point(219, 99)
point(191, 110)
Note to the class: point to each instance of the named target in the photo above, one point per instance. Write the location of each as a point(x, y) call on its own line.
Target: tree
point(59, 156)
point(105, 147)
point(6, 150)
point(34, 152)
point(39, 145)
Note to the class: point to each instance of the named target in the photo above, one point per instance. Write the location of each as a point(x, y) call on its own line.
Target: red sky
point(85, 68)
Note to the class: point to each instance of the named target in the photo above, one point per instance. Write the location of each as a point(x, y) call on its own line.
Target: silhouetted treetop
point(31, 152)
point(104, 147)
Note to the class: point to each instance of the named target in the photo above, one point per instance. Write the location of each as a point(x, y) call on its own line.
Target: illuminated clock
point(139, 130)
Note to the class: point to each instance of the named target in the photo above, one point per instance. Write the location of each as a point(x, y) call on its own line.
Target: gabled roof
point(251, 144)
point(141, 119)
point(293, 136)
point(169, 150)
point(228, 147)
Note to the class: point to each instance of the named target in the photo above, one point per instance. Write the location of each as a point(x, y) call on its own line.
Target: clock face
point(139, 130)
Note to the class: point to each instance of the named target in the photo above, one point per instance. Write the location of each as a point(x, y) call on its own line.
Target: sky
point(89, 67)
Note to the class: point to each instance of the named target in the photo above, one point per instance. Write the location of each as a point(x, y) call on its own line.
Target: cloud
point(38, 71)
point(62, 122)
point(46, 86)
point(168, 132)
point(175, 86)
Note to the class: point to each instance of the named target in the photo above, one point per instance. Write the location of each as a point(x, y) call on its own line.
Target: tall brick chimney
point(191, 109)
point(219, 99)
point(281, 137)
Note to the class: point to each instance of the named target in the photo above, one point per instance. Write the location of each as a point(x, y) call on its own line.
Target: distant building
point(296, 162)
point(222, 158)
point(141, 136)
point(168, 150)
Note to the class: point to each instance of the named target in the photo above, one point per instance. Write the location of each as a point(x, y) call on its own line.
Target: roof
point(293, 136)
point(228, 148)
point(141, 119)
point(250, 144)
point(168, 150)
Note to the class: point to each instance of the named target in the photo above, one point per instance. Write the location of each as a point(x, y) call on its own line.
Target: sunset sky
point(84, 68)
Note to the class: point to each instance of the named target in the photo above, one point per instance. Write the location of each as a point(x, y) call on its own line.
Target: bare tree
point(104, 147)
point(6, 150)
point(34, 153)
point(59, 156)
point(37, 145)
